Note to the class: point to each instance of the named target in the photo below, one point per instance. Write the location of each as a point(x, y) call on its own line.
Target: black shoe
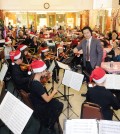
point(49, 82)
point(83, 95)
point(56, 81)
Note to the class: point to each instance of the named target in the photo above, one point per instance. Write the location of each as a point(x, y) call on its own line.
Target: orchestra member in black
point(47, 108)
point(102, 96)
point(20, 78)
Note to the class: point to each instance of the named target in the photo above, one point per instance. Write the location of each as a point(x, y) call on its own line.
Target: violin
point(44, 79)
point(24, 67)
point(33, 57)
point(63, 55)
point(50, 57)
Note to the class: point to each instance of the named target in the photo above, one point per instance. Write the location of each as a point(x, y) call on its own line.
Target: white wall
point(102, 4)
point(115, 4)
point(55, 5)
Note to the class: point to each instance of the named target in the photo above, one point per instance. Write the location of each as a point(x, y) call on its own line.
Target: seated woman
point(35, 44)
point(114, 54)
point(45, 56)
point(47, 108)
point(100, 95)
point(27, 57)
point(114, 38)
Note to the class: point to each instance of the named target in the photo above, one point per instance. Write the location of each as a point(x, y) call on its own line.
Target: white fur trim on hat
point(60, 47)
point(8, 42)
point(45, 50)
point(38, 70)
point(22, 48)
point(17, 57)
point(100, 80)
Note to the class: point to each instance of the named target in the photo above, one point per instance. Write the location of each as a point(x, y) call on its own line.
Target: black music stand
point(68, 60)
point(71, 80)
point(50, 69)
point(69, 107)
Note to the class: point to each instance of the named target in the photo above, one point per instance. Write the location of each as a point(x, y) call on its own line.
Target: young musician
point(102, 96)
point(34, 44)
point(60, 53)
point(48, 108)
point(45, 57)
point(20, 78)
point(25, 52)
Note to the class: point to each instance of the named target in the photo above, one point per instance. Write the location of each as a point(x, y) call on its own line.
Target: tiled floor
point(75, 101)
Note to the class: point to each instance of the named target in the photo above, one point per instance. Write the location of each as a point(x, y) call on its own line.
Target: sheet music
point(109, 127)
point(76, 81)
point(67, 78)
point(3, 71)
point(63, 66)
point(52, 66)
point(112, 81)
point(72, 79)
point(14, 113)
point(81, 126)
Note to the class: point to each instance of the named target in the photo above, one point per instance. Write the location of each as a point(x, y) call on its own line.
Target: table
point(114, 69)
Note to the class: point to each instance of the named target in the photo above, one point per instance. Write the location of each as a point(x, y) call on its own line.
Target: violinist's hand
point(54, 91)
point(75, 50)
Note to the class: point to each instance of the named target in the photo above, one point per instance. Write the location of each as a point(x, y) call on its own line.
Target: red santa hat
point(59, 47)
point(32, 34)
point(44, 49)
point(15, 55)
point(9, 32)
point(8, 41)
point(38, 66)
point(21, 47)
point(98, 75)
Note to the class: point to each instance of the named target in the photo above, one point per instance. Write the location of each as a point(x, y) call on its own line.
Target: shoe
point(83, 95)
point(49, 82)
point(56, 81)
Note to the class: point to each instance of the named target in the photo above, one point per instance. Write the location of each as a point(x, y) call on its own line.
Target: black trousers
point(89, 70)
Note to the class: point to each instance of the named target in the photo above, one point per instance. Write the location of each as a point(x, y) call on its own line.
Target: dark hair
point(87, 27)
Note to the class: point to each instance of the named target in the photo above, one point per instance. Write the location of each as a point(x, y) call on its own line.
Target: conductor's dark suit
point(104, 98)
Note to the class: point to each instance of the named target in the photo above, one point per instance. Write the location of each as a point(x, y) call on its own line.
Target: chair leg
point(13, 91)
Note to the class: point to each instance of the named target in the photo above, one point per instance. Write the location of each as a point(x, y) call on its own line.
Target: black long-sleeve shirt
point(104, 98)
point(20, 78)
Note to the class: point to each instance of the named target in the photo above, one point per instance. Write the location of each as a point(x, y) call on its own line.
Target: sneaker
point(83, 95)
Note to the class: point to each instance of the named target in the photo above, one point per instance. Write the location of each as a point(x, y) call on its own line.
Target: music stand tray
point(68, 60)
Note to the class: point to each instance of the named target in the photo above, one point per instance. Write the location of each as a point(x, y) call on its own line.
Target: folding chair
point(25, 98)
point(2, 90)
point(91, 111)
